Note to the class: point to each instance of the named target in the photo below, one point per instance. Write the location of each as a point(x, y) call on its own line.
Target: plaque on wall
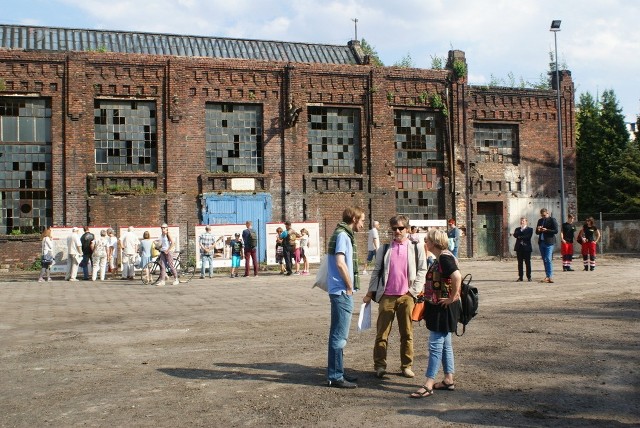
point(243, 184)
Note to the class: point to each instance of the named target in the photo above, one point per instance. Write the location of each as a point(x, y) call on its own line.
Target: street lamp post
point(555, 27)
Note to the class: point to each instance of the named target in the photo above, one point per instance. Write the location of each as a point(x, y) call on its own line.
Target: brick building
point(104, 127)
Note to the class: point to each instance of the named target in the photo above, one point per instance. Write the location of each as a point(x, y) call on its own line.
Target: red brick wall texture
point(181, 87)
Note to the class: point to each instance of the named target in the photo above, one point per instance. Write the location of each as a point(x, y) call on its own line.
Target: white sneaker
point(407, 372)
point(160, 284)
point(176, 282)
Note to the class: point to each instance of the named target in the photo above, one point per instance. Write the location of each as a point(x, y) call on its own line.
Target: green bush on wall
point(459, 69)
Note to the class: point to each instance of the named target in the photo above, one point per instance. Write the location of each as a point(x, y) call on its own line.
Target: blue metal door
point(232, 208)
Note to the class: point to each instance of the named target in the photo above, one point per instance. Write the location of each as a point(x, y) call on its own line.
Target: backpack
point(252, 242)
point(468, 303)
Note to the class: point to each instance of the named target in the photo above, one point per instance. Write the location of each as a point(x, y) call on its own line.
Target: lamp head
point(555, 25)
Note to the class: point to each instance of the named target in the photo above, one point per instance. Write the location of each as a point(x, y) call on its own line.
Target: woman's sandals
point(422, 392)
point(445, 386)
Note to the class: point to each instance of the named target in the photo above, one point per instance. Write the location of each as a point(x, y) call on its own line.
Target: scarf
point(344, 227)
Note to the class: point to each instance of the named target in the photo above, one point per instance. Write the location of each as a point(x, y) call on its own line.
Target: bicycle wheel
point(187, 272)
point(154, 272)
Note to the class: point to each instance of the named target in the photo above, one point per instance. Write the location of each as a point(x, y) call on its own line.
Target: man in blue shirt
point(342, 281)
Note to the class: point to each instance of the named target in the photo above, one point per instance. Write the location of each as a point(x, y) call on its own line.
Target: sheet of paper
point(364, 321)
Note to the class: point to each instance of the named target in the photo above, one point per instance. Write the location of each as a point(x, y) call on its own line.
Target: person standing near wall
point(165, 258)
point(342, 280)
point(287, 252)
point(112, 252)
point(85, 240)
point(547, 229)
point(250, 240)
point(205, 242)
point(47, 255)
point(567, 234)
point(129, 243)
point(373, 242)
point(237, 246)
point(454, 237)
point(74, 254)
point(99, 256)
point(589, 236)
point(523, 248)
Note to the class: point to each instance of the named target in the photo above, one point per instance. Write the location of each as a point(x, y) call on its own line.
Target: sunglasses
point(400, 228)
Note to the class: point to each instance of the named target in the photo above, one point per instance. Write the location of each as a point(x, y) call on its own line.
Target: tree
point(622, 192)
point(371, 51)
point(603, 151)
point(405, 62)
point(589, 175)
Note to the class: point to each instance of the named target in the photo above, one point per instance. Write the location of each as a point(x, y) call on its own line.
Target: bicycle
point(186, 270)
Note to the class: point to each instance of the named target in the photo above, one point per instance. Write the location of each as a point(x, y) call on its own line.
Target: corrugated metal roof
point(69, 39)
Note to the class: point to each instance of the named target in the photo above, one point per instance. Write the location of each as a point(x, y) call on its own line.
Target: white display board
point(312, 251)
point(424, 226)
point(222, 248)
point(59, 236)
point(222, 254)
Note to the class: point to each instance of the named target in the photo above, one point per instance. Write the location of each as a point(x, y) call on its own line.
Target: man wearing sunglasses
point(399, 275)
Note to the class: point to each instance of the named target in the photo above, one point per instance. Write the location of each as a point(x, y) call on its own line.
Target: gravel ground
point(252, 352)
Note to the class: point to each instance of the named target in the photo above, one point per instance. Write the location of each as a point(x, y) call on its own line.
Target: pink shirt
point(398, 281)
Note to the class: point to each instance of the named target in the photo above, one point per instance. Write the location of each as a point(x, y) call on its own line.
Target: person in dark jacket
point(523, 248)
point(567, 233)
point(547, 229)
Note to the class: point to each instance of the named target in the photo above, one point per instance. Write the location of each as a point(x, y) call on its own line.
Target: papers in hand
point(364, 321)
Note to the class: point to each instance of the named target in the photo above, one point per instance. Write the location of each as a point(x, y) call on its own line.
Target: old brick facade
point(466, 178)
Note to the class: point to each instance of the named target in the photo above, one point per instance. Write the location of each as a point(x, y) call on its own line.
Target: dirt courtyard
point(252, 352)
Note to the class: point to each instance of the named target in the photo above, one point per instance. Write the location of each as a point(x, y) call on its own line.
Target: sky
point(599, 41)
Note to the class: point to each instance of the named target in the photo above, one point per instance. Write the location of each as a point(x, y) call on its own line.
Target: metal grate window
point(125, 136)
point(419, 165)
point(496, 143)
point(334, 140)
point(25, 164)
point(233, 137)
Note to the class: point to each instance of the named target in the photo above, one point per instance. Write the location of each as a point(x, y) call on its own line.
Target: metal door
point(489, 229)
point(237, 209)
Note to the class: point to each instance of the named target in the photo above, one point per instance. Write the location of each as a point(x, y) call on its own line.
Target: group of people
point(98, 254)
point(290, 250)
point(243, 245)
point(401, 272)
point(547, 229)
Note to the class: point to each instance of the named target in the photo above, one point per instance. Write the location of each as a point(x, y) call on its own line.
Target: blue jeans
point(341, 310)
point(440, 349)
point(84, 264)
point(455, 251)
point(206, 260)
point(546, 251)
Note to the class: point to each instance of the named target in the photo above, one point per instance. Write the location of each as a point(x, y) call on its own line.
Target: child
point(304, 244)
point(236, 255)
point(279, 251)
point(294, 238)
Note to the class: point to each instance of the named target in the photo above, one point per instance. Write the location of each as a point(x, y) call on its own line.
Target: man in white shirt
point(130, 244)
point(373, 242)
point(74, 254)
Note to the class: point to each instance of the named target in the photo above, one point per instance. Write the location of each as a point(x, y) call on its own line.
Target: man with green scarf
point(342, 280)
